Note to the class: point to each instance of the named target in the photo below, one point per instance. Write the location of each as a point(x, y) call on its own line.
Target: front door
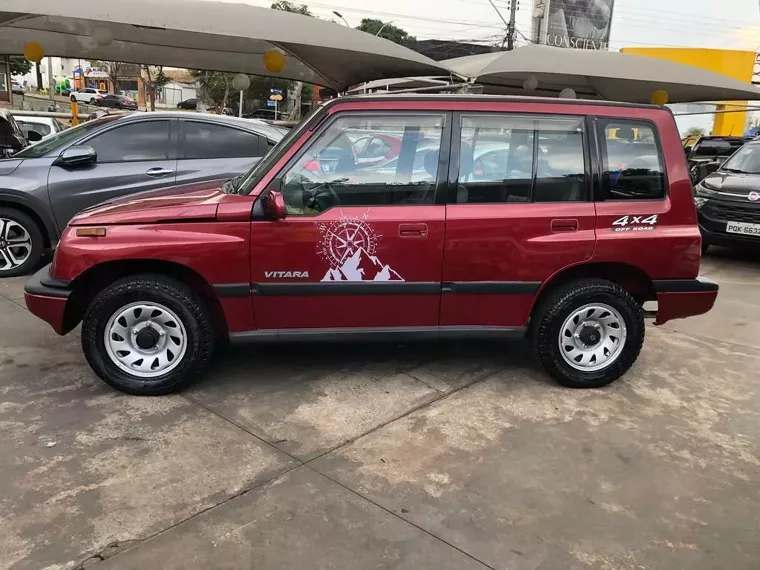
point(132, 157)
point(361, 246)
point(520, 212)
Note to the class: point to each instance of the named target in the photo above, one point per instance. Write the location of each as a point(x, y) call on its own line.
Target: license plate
point(744, 229)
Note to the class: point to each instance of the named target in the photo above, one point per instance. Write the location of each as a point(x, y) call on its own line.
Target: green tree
point(298, 86)
point(153, 79)
point(695, 132)
point(385, 30)
point(20, 66)
point(286, 6)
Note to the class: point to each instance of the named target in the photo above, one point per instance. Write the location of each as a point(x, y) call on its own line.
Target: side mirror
point(16, 143)
point(274, 205)
point(33, 136)
point(77, 156)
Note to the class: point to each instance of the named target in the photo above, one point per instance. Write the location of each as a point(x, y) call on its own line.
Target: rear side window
point(207, 140)
point(506, 159)
point(631, 160)
point(143, 141)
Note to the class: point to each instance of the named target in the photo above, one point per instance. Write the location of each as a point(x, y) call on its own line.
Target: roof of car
point(474, 97)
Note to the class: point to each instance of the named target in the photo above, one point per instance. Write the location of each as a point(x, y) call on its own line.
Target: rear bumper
point(47, 298)
point(681, 298)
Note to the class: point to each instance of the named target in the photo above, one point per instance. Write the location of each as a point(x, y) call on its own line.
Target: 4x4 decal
point(635, 223)
point(348, 245)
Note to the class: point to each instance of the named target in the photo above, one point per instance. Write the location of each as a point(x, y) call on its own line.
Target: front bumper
point(714, 217)
point(681, 298)
point(47, 299)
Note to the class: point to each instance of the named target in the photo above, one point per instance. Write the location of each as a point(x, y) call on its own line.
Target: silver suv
point(45, 185)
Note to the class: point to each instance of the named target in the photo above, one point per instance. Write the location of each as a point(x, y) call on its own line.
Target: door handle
point(158, 172)
point(413, 230)
point(564, 226)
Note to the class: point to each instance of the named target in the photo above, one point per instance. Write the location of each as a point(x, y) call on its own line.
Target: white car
point(88, 95)
point(45, 126)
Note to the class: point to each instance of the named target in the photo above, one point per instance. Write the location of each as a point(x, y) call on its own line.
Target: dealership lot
point(409, 456)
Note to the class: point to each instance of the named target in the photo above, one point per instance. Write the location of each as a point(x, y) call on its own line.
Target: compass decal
point(348, 245)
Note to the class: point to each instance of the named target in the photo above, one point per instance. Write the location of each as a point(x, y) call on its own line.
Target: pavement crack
point(442, 396)
point(399, 517)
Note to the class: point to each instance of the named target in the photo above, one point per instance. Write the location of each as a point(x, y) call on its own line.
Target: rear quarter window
point(632, 162)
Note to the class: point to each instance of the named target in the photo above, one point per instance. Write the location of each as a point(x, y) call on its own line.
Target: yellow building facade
point(733, 63)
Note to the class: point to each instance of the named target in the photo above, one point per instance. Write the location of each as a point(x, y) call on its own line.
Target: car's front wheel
point(93, 101)
point(73, 99)
point(588, 333)
point(147, 335)
point(21, 243)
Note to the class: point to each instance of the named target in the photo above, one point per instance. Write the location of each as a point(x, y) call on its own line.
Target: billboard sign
point(577, 24)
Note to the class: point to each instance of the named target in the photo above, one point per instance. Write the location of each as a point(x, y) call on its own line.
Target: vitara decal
point(635, 224)
point(286, 274)
point(348, 246)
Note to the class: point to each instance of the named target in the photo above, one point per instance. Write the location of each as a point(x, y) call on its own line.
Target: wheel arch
point(92, 281)
point(46, 225)
point(630, 277)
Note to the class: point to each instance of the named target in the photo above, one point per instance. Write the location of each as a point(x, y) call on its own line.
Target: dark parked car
point(44, 185)
point(709, 152)
point(117, 102)
point(728, 201)
point(190, 104)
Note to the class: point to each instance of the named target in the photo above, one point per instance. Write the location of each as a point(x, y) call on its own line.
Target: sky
point(727, 24)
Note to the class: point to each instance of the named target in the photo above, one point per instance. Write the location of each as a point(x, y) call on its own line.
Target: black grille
point(731, 212)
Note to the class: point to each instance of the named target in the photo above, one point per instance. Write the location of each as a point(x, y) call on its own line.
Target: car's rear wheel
point(21, 243)
point(147, 335)
point(73, 99)
point(588, 333)
point(93, 101)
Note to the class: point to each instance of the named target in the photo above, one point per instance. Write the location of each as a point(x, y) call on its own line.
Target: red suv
point(498, 218)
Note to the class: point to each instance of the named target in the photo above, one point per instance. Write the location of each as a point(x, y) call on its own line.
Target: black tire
point(37, 239)
point(705, 247)
point(551, 314)
point(93, 101)
point(73, 99)
point(170, 293)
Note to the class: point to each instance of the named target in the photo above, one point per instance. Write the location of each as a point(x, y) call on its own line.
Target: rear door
point(519, 211)
point(210, 151)
point(132, 157)
point(361, 246)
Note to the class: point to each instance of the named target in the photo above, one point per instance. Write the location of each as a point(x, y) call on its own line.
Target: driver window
point(334, 170)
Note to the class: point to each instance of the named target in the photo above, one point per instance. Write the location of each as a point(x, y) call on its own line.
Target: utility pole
point(509, 40)
point(511, 27)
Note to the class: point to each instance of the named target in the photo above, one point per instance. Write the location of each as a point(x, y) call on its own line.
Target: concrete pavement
point(414, 456)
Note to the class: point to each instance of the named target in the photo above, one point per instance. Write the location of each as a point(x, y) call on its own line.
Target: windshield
point(745, 161)
point(274, 155)
point(717, 147)
point(61, 139)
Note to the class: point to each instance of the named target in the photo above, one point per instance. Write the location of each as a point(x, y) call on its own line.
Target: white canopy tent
point(208, 35)
point(609, 75)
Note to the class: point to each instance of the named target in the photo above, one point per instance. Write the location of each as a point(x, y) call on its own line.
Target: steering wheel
point(322, 197)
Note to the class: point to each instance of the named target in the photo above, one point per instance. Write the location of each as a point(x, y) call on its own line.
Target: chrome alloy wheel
point(15, 244)
point(592, 337)
point(145, 339)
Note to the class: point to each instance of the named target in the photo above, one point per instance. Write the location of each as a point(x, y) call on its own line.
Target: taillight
point(312, 166)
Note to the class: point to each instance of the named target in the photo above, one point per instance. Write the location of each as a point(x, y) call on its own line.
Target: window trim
point(601, 123)
point(262, 149)
point(323, 125)
point(172, 154)
point(456, 145)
